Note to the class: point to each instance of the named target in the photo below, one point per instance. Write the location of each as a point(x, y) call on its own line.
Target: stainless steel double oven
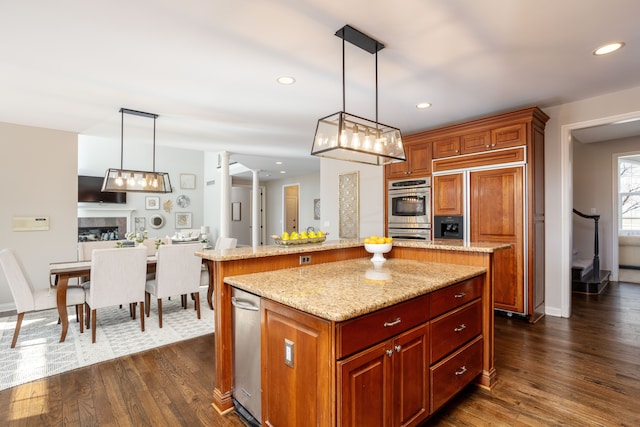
point(409, 209)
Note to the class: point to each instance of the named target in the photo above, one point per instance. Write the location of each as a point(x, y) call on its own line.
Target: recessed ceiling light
point(608, 48)
point(286, 80)
point(283, 171)
point(423, 105)
point(278, 163)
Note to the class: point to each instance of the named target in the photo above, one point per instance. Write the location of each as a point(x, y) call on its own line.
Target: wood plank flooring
point(582, 371)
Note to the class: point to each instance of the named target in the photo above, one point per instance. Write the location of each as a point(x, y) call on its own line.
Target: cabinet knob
point(398, 348)
point(390, 353)
point(487, 146)
point(460, 328)
point(461, 371)
point(493, 145)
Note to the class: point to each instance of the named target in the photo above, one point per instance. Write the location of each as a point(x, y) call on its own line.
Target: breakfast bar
point(239, 261)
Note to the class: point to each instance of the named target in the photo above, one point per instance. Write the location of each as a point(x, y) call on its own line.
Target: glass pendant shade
point(121, 180)
point(126, 180)
point(343, 136)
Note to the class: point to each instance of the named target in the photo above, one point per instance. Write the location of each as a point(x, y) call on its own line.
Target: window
point(629, 195)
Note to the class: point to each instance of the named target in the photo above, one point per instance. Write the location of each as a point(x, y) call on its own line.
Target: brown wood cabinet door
point(420, 155)
point(446, 147)
point(509, 136)
point(496, 212)
point(365, 388)
point(296, 394)
point(411, 377)
point(475, 142)
point(447, 194)
point(418, 162)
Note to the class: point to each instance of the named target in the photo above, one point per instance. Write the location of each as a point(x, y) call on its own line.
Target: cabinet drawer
point(455, 295)
point(455, 372)
point(454, 329)
point(362, 332)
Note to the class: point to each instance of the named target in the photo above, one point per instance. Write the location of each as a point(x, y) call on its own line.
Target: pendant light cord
point(121, 139)
point(154, 144)
point(343, 79)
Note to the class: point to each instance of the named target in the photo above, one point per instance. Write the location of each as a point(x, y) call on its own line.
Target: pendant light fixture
point(124, 180)
point(344, 136)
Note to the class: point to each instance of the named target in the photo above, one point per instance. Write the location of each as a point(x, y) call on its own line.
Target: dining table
point(61, 272)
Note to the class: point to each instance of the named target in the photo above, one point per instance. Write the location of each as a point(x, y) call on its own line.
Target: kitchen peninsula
point(240, 261)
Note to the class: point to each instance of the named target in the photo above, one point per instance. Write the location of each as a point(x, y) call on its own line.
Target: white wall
point(309, 190)
point(558, 184)
point(371, 196)
point(38, 170)
point(241, 229)
point(95, 156)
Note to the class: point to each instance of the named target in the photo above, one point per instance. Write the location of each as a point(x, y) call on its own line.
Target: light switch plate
point(288, 352)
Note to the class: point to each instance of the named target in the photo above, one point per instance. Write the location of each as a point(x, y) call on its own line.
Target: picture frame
point(152, 203)
point(236, 208)
point(187, 181)
point(183, 220)
point(140, 224)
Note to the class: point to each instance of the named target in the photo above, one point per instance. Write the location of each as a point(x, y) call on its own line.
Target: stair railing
point(596, 258)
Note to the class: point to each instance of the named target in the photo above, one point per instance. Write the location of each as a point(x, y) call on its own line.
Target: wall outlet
point(288, 352)
point(305, 259)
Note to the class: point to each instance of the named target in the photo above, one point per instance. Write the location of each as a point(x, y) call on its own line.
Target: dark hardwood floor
point(582, 371)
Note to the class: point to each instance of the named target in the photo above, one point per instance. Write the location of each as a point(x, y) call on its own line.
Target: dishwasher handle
point(243, 304)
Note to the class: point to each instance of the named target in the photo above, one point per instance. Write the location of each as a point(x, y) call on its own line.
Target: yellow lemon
point(285, 236)
point(294, 236)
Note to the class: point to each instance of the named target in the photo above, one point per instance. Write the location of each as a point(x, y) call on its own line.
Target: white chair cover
point(118, 276)
point(86, 248)
point(177, 271)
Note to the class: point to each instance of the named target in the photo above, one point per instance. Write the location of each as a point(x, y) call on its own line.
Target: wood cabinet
point(418, 164)
point(385, 368)
point(501, 159)
point(447, 194)
point(496, 214)
point(387, 384)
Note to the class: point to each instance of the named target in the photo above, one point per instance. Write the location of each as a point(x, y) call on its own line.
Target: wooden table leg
point(61, 298)
point(210, 267)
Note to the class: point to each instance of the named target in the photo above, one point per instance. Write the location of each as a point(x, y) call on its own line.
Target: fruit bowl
point(377, 249)
point(292, 242)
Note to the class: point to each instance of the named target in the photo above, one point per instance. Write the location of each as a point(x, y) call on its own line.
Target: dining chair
point(27, 298)
point(177, 273)
point(117, 277)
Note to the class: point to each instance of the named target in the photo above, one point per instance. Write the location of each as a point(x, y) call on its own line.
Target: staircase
point(586, 276)
point(584, 279)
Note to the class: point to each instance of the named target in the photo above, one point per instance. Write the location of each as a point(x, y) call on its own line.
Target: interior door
point(291, 202)
point(496, 214)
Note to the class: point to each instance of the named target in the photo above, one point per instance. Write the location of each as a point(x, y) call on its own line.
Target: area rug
point(38, 353)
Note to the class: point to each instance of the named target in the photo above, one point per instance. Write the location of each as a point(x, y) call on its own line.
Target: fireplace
point(103, 224)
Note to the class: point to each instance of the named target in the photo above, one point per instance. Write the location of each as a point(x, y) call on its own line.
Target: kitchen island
point(370, 344)
point(232, 262)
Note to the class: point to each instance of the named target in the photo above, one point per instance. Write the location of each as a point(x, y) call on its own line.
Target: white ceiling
point(209, 68)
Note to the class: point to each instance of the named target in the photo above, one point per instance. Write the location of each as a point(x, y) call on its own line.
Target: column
point(225, 195)
point(255, 211)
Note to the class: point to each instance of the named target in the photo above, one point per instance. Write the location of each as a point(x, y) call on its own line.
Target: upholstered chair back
point(177, 270)
point(226, 243)
point(85, 248)
point(118, 276)
point(20, 286)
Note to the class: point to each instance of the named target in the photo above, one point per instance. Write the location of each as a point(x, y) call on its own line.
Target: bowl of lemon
point(377, 246)
point(295, 238)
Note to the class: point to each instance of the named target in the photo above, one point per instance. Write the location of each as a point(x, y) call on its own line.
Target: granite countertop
point(272, 250)
point(343, 290)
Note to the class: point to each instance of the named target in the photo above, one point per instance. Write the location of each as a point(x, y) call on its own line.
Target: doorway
point(291, 207)
point(606, 125)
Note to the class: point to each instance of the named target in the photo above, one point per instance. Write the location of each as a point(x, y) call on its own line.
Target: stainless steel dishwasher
point(246, 355)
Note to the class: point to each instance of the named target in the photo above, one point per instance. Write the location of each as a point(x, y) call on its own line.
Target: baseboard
point(552, 311)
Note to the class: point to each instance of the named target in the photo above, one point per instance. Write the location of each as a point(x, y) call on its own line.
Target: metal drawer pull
point(389, 353)
point(394, 323)
point(460, 295)
point(398, 348)
point(461, 371)
point(460, 328)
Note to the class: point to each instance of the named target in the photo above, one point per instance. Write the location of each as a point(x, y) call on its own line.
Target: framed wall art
point(183, 219)
point(349, 205)
point(152, 202)
point(187, 181)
